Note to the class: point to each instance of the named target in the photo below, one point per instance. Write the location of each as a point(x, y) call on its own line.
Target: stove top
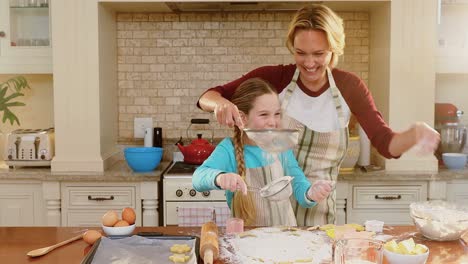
point(180, 168)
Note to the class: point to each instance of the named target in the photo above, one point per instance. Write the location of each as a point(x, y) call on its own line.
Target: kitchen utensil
point(199, 149)
point(454, 161)
point(395, 258)
point(274, 140)
point(148, 140)
point(142, 159)
point(358, 250)
point(277, 190)
point(30, 147)
point(118, 230)
point(452, 138)
point(445, 113)
point(42, 251)
point(157, 137)
point(439, 220)
point(209, 248)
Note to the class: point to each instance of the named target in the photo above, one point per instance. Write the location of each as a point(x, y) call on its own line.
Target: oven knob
point(179, 193)
point(192, 192)
point(206, 193)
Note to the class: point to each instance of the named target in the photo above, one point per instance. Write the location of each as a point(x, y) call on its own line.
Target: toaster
point(30, 147)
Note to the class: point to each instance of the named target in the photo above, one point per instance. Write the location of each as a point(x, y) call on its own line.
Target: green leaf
point(10, 90)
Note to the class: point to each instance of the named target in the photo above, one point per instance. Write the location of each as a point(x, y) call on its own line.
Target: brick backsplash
point(166, 61)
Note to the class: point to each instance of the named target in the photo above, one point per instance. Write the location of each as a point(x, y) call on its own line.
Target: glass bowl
point(439, 220)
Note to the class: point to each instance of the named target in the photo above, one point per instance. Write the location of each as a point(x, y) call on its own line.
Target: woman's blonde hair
point(319, 17)
point(244, 97)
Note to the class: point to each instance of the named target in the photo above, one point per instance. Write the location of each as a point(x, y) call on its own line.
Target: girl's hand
point(226, 113)
point(232, 182)
point(427, 139)
point(320, 190)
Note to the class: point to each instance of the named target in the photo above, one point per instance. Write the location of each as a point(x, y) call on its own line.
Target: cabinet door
point(457, 193)
point(385, 202)
point(84, 204)
point(25, 36)
point(21, 205)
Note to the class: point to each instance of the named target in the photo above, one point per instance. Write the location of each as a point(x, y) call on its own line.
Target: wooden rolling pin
point(209, 249)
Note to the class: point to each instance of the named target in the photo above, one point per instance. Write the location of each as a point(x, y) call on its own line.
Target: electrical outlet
point(139, 126)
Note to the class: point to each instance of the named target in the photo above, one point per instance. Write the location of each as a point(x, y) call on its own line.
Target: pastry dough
point(179, 258)
point(180, 248)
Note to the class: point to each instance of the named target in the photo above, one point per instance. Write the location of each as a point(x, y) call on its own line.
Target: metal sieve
point(274, 140)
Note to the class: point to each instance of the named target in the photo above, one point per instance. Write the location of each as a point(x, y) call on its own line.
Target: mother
point(318, 99)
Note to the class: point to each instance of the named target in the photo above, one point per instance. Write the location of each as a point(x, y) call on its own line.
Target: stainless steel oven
point(178, 195)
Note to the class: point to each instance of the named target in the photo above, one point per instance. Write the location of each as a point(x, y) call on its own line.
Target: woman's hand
point(320, 190)
point(427, 139)
point(228, 114)
point(232, 182)
point(419, 135)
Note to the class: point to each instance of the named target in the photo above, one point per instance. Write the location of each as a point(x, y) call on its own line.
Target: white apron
point(269, 213)
point(319, 154)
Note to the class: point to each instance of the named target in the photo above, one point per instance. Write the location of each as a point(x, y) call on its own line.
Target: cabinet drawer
point(387, 197)
point(100, 197)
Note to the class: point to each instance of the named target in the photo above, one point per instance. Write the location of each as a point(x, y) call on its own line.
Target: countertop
point(443, 174)
point(15, 242)
point(119, 172)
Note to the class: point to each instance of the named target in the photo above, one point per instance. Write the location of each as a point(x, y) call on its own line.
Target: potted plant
point(9, 90)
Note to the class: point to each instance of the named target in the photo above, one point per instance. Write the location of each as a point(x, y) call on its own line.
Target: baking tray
point(88, 259)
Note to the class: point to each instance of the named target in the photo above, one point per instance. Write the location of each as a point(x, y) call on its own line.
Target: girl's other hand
point(320, 190)
point(232, 182)
point(226, 113)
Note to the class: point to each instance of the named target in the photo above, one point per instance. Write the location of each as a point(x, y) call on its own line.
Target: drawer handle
point(398, 197)
point(100, 198)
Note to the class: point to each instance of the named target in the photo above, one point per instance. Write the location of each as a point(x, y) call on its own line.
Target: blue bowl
point(454, 161)
point(143, 159)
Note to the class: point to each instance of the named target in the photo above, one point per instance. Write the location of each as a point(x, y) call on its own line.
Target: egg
point(91, 236)
point(110, 218)
point(128, 214)
point(121, 223)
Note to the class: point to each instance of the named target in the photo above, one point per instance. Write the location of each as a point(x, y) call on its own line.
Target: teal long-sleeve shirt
point(223, 160)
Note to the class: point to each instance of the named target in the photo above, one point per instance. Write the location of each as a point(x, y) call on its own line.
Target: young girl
point(237, 163)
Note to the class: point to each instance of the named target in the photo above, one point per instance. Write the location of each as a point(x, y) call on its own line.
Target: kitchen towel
point(222, 214)
point(195, 216)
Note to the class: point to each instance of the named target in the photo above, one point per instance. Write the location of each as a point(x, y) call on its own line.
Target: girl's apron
point(269, 213)
point(319, 154)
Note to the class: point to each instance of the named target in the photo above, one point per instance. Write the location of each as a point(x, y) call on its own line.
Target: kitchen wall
point(165, 61)
point(38, 112)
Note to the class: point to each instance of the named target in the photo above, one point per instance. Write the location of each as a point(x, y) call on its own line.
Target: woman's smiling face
point(265, 113)
point(312, 55)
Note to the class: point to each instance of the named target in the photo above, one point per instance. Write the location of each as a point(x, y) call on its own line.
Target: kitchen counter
point(381, 175)
point(119, 172)
point(15, 242)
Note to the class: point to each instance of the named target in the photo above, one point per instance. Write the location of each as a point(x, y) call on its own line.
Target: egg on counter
point(128, 214)
point(91, 236)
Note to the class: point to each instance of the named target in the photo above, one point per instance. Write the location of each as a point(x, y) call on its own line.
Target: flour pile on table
point(276, 245)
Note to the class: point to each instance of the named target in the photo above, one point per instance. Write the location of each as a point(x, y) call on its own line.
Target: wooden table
point(15, 242)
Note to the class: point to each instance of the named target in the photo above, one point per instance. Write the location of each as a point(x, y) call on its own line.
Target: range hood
point(232, 6)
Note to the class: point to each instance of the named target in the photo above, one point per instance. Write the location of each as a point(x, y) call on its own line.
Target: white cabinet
point(84, 203)
point(457, 192)
point(384, 201)
point(21, 204)
point(452, 51)
point(25, 37)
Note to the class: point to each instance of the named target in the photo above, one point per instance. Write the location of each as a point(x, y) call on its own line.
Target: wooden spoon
point(42, 251)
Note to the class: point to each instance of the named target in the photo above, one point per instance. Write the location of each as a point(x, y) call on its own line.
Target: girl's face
point(312, 55)
point(266, 113)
